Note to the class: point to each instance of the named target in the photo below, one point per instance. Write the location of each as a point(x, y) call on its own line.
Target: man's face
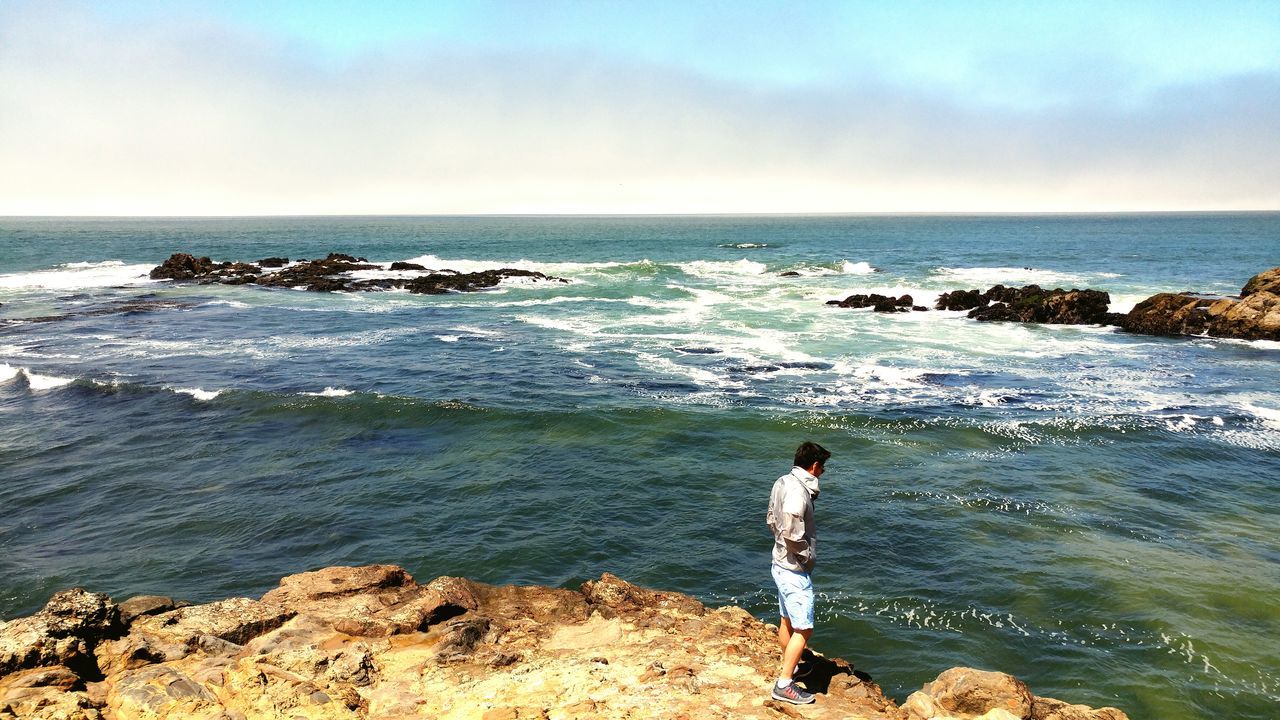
point(817, 469)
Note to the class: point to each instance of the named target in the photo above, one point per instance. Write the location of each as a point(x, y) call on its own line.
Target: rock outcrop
point(333, 274)
point(369, 642)
point(879, 303)
point(1255, 315)
point(1032, 304)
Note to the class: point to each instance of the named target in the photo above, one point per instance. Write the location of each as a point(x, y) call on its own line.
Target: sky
point(238, 107)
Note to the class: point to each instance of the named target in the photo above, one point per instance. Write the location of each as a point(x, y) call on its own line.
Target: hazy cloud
point(195, 118)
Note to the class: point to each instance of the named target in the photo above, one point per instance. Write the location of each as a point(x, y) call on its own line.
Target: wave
point(81, 275)
point(844, 267)
point(35, 381)
point(744, 246)
point(987, 276)
point(198, 394)
point(559, 269)
point(720, 268)
point(331, 392)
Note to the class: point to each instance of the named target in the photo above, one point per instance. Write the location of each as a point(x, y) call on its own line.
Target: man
point(790, 517)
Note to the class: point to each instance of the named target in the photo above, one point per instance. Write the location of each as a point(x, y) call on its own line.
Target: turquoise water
point(1093, 511)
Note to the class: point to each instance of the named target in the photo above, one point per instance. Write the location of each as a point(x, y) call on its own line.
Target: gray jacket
point(790, 517)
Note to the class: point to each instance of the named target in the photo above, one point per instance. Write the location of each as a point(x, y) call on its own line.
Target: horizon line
point(917, 213)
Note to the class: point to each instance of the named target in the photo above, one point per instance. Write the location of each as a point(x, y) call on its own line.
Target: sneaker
point(792, 694)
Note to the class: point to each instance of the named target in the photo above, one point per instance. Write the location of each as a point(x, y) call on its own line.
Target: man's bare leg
point(792, 643)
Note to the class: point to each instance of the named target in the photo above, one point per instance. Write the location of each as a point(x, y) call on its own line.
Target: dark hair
point(809, 453)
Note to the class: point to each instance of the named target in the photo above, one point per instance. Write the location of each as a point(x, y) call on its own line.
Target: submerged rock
point(357, 642)
point(332, 274)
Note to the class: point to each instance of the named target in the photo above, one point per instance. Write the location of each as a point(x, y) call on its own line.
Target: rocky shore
point(369, 642)
point(1253, 315)
point(333, 274)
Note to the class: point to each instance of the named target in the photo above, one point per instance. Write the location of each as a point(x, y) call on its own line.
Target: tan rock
point(303, 588)
point(1265, 281)
point(236, 620)
point(1257, 317)
point(64, 632)
point(966, 692)
point(457, 649)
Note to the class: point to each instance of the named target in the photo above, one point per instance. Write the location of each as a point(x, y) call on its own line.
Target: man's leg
point(784, 632)
point(792, 650)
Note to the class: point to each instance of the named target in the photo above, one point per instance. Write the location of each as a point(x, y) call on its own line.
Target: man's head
point(811, 456)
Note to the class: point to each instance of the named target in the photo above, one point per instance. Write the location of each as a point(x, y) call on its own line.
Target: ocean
point(1093, 511)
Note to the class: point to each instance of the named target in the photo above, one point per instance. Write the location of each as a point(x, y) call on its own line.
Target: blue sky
point(1015, 53)
point(1022, 105)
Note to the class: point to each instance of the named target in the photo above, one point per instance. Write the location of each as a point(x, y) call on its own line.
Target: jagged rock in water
point(1265, 281)
point(1036, 305)
point(1255, 316)
point(182, 266)
point(960, 300)
point(332, 274)
point(370, 642)
point(967, 694)
point(879, 303)
point(1169, 314)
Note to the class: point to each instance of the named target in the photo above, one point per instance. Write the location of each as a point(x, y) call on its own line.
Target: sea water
point(1093, 511)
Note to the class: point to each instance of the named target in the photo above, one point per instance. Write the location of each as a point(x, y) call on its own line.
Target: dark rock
point(438, 283)
point(1169, 314)
point(182, 266)
point(880, 303)
point(1034, 304)
point(328, 275)
point(960, 300)
point(790, 273)
point(273, 262)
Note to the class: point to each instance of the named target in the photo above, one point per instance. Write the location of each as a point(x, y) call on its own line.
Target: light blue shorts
point(795, 597)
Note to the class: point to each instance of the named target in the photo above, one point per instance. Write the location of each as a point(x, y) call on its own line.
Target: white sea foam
point(561, 269)
point(74, 276)
point(198, 394)
point(8, 372)
point(988, 276)
point(46, 382)
point(1125, 303)
point(330, 392)
point(720, 268)
point(889, 376)
point(1268, 416)
point(448, 338)
point(848, 267)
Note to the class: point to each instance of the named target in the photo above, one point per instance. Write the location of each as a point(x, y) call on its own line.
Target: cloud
point(192, 117)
